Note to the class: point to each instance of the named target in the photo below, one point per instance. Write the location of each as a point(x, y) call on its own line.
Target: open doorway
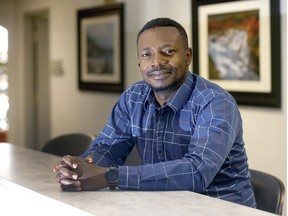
point(37, 69)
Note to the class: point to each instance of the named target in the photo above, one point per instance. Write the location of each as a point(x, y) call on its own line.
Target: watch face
point(112, 175)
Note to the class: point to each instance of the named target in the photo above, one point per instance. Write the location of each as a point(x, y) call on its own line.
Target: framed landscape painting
point(101, 48)
point(236, 44)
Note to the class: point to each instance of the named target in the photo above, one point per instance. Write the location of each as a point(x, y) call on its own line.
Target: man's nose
point(159, 60)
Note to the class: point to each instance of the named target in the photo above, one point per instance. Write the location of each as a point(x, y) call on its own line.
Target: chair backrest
point(269, 191)
point(68, 144)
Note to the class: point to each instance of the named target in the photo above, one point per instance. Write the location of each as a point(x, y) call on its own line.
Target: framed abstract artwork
point(101, 48)
point(236, 44)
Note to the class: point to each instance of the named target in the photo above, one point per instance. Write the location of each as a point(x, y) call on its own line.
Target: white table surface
point(28, 186)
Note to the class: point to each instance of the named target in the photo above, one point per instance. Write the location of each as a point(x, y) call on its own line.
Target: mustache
point(160, 70)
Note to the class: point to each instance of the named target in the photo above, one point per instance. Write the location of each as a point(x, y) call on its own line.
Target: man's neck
point(164, 96)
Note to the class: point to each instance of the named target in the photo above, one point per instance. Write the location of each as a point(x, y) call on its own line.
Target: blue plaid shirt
point(194, 142)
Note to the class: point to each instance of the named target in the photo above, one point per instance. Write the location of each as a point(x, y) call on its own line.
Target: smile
point(158, 75)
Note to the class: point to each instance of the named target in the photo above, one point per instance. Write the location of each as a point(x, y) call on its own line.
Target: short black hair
point(164, 22)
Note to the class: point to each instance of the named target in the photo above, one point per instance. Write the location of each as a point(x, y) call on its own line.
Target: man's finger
point(69, 160)
point(58, 166)
point(61, 164)
point(70, 182)
point(66, 173)
point(89, 159)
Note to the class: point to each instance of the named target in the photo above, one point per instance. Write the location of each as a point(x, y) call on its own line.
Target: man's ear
point(188, 56)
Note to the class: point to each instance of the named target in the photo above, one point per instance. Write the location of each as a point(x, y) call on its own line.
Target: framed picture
point(101, 48)
point(236, 44)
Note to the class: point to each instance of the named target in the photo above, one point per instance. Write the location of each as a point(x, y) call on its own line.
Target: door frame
point(37, 93)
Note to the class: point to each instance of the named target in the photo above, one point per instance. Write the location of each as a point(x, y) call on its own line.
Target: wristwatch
point(111, 177)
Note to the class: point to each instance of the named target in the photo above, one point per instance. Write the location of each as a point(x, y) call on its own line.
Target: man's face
point(163, 58)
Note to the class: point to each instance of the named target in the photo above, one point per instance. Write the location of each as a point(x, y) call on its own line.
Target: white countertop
point(27, 185)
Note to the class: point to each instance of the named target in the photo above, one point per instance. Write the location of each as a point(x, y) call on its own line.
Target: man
point(188, 131)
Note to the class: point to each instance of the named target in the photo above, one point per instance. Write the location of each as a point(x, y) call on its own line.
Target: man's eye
point(169, 52)
point(145, 55)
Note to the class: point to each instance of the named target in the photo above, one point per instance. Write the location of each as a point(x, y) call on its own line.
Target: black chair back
point(269, 191)
point(68, 144)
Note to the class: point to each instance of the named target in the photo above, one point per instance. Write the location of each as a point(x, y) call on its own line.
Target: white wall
point(265, 129)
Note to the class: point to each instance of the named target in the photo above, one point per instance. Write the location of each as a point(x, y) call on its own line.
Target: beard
point(173, 86)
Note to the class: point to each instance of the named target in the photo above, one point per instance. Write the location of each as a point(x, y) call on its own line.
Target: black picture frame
point(207, 16)
point(100, 32)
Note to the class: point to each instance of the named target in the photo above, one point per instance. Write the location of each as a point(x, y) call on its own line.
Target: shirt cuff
point(129, 178)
